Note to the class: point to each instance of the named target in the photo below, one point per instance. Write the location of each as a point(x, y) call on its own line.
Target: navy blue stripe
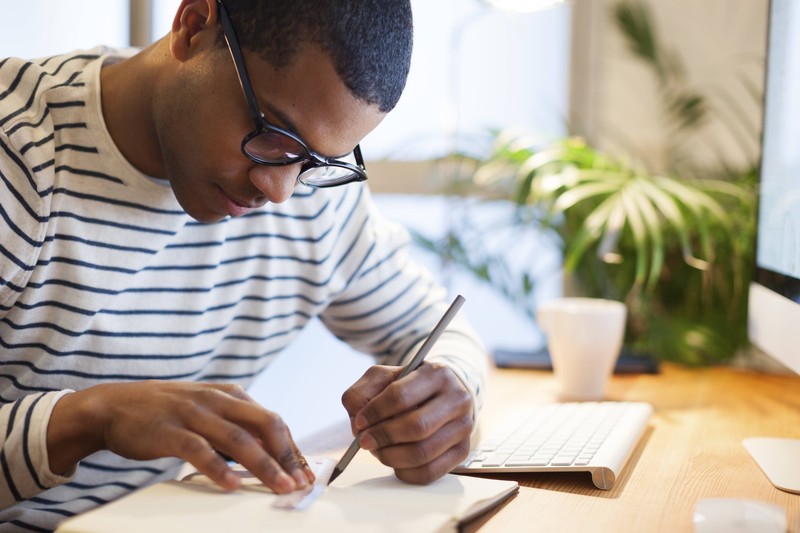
point(99, 244)
point(98, 355)
point(279, 236)
point(87, 375)
point(19, 125)
point(5, 283)
point(151, 290)
point(105, 355)
point(48, 501)
point(75, 262)
point(113, 201)
point(109, 223)
point(40, 142)
point(107, 468)
point(70, 126)
point(3, 461)
point(52, 303)
point(88, 173)
point(150, 334)
point(22, 167)
point(34, 92)
point(77, 148)
point(61, 105)
point(16, 229)
point(29, 527)
point(84, 486)
point(12, 487)
point(71, 285)
point(240, 357)
point(235, 260)
point(14, 259)
point(11, 417)
point(60, 512)
point(17, 79)
point(46, 60)
point(42, 166)
point(271, 336)
point(26, 446)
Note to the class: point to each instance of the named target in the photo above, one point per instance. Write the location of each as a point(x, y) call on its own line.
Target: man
point(170, 220)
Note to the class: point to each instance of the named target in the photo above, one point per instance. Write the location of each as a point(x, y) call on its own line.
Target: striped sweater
point(104, 278)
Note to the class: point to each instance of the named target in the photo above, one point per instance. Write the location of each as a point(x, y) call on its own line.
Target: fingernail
point(367, 442)
point(300, 478)
point(230, 480)
point(310, 476)
point(285, 483)
point(361, 422)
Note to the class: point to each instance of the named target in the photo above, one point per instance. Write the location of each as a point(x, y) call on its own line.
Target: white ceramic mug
point(584, 337)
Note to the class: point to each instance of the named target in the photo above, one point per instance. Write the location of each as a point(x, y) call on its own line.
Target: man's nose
point(277, 183)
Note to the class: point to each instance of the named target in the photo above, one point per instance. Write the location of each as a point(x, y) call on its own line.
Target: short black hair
point(369, 41)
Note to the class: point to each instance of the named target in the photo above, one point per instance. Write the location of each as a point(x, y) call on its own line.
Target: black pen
point(412, 365)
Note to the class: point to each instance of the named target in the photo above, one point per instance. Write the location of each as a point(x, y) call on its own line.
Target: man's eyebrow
point(286, 122)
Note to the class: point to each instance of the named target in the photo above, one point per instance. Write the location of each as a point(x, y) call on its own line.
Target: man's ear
point(194, 27)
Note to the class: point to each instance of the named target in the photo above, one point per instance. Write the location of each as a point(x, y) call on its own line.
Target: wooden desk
point(691, 450)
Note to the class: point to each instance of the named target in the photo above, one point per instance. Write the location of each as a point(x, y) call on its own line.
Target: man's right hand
point(192, 421)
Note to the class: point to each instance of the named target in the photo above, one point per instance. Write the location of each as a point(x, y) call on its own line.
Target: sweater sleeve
point(392, 304)
point(24, 465)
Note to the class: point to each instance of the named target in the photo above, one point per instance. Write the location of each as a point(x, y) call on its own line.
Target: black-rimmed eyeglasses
point(268, 144)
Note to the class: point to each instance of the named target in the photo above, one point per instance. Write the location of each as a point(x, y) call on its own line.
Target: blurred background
point(595, 147)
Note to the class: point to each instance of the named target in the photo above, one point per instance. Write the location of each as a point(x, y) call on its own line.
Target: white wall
point(722, 45)
point(37, 28)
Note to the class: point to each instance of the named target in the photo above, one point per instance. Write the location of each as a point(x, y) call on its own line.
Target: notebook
point(365, 498)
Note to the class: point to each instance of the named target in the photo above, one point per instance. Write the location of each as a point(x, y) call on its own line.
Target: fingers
point(432, 471)
point(194, 421)
point(196, 450)
point(237, 442)
point(411, 392)
point(261, 442)
point(419, 425)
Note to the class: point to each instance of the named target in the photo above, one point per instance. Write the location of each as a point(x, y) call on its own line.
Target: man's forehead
point(308, 98)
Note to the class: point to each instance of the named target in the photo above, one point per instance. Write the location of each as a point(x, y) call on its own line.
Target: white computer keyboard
point(594, 437)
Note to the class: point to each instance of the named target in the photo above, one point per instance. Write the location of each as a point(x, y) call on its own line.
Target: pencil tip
point(334, 475)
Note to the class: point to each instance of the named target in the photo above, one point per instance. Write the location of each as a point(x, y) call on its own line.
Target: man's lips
point(234, 207)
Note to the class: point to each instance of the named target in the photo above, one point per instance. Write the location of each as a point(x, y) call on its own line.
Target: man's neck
point(127, 92)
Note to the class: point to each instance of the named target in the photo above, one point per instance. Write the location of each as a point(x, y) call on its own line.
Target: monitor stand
point(777, 458)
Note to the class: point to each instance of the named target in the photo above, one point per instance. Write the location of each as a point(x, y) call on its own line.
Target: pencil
point(412, 365)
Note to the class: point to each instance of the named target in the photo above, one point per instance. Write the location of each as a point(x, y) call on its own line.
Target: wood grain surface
point(691, 450)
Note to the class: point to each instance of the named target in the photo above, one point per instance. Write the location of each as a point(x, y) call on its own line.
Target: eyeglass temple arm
point(238, 62)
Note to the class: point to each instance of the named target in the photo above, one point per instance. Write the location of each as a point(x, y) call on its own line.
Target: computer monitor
point(774, 298)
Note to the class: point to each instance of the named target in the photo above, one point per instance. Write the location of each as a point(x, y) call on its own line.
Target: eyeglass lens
point(329, 174)
point(273, 146)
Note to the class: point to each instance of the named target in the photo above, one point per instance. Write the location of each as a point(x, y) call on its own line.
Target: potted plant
point(675, 245)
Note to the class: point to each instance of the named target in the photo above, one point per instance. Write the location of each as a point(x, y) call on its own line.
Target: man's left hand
point(419, 425)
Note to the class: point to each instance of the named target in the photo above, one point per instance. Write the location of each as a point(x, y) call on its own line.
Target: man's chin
point(201, 215)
